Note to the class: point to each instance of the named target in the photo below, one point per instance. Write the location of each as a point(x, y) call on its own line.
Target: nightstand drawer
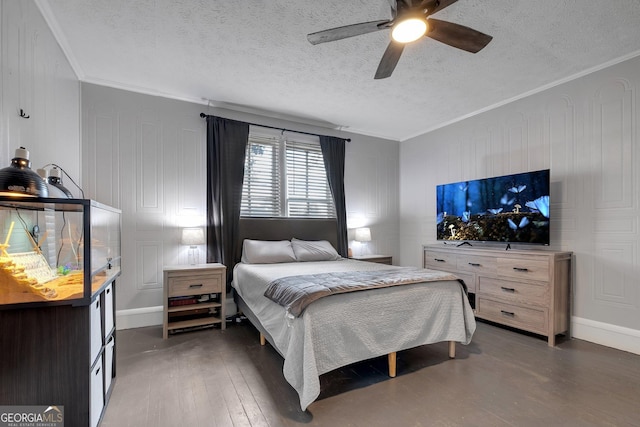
point(192, 285)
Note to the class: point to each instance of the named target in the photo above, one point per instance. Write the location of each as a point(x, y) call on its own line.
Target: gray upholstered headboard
point(288, 228)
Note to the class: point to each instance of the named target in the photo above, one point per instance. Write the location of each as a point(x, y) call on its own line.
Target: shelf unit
point(193, 282)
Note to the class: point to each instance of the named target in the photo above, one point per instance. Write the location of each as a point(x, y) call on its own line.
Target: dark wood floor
point(503, 378)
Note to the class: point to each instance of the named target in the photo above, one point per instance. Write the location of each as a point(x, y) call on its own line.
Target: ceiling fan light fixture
point(408, 30)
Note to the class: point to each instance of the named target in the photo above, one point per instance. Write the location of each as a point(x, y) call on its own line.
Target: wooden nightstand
point(193, 295)
point(380, 259)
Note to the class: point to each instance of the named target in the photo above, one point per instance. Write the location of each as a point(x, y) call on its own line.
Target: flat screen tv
point(510, 208)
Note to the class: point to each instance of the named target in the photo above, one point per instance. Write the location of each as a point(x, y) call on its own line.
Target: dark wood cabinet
point(46, 357)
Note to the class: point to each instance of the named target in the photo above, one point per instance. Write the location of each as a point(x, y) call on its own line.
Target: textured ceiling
point(254, 56)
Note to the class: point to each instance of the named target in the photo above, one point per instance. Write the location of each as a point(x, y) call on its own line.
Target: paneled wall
point(586, 132)
point(37, 79)
point(371, 185)
point(146, 155)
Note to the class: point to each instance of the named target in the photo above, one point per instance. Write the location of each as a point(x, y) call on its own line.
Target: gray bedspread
point(295, 293)
point(342, 329)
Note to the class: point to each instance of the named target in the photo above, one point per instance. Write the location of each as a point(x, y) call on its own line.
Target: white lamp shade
point(192, 236)
point(363, 234)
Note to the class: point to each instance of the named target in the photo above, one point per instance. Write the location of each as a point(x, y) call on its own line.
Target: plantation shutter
point(261, 190)
point(285, 177)
point(308, 192)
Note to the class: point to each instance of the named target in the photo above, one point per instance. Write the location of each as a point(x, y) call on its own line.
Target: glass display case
point(56, 251)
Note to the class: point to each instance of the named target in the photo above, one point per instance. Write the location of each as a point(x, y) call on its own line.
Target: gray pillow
point(314, 250)
point(267, 252)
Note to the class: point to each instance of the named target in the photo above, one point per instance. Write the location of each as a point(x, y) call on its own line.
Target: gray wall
point(146, 156)
point(37, 78)
point(586, 132)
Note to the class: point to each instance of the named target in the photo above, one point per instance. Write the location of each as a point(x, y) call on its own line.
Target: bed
point(341, 329)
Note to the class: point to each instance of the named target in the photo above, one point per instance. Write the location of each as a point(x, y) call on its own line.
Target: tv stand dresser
point(524, 289)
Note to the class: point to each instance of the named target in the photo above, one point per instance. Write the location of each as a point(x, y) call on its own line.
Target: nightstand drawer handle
point(199, 285)
point(520, 269)
point(474, 264)
point(507, 313)
point(507, 289)
point(439, 260)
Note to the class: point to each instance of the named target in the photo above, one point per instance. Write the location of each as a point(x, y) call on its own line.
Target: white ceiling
point(253, 55)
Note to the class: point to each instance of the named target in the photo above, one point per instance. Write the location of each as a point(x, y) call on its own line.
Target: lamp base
point(193, 255)
point(363, 248)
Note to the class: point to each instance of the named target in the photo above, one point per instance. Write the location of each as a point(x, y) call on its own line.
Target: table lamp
point(363, 235)
point(193, 237)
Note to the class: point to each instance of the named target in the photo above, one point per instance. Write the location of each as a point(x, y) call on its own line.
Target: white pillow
point(314, 250)
point(267, 252)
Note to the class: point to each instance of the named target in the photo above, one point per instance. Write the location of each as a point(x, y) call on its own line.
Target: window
point(284, 176)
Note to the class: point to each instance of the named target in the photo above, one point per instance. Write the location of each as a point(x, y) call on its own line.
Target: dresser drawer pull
point(507, 313)
point(507, 289)
point(439, 260)
point(474, 264)
point(199, 285)
point(520, 269)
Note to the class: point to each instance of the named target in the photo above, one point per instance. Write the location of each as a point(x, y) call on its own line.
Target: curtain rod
point(203, 115)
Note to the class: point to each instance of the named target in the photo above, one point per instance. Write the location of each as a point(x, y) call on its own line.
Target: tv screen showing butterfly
point(509, 208)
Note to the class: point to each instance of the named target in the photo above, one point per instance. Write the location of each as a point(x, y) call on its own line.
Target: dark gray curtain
point(333, 154)
point(226, 146)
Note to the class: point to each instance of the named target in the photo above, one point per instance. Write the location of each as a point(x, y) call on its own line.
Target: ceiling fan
point(410, 20)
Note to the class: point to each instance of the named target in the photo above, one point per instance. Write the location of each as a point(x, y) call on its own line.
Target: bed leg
point(452, 349)
point(392, 364)
point(262, 340)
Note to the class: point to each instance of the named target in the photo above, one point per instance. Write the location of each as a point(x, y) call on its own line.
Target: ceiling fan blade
point(456, 35)
point(389, 60)
point(434, 6)
point(347, 31)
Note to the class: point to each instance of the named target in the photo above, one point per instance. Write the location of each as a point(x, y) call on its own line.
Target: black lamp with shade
point(18, 180)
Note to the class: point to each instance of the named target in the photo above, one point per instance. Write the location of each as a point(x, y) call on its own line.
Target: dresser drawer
point(469, 280)
point(194, 284)
point(527, 318)
point(440, 261)
point(529, 269)
point(516, 292)
point(477, 264)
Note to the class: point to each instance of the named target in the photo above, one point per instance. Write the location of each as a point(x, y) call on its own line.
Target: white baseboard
point(152, 316)
point(625, 339)
point(139, 317)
